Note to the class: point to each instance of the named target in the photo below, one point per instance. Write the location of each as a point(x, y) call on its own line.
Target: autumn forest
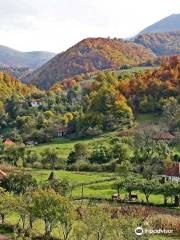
point(90, 140)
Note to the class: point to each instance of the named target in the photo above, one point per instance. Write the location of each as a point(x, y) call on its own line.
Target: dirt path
point(2, 237)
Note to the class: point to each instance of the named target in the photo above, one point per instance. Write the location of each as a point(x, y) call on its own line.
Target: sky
point(55, 25)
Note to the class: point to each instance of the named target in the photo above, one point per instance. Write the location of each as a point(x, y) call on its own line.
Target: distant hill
point(9, 86)
point(161, 43)
point(168, 24)
point(17, 72)
point(89, 55)
point(14, 58)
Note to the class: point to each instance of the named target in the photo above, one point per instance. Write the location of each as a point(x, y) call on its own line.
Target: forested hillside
point(90, 136)
point(110, 102)
point(89, 55)
point(9, 86)
point(16, 72)
point(161, 43)
point(152, 90)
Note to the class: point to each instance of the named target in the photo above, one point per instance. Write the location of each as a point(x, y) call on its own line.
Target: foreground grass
point(100, 190)
point(166, 237)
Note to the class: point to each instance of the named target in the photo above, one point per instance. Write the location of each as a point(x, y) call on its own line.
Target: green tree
point(51, 157)
point(67, 219)
point(23, 209)
point(15, 155)
point(78, 155)
point(148, 187)
point(121, 152)
point(125, 168)
point(150, 155)
point(98, 224)
point(171, 114)
point(119, 185)
point(26, 124)
point(63, 187)
point(7, 203)
point(51, 208)
point(31, 157)
point(131, 184)
point(168, 189)
point(101, 155)
point(18, 183)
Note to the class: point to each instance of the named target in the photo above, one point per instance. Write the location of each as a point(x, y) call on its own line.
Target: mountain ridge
point(14, 58)
point(167, 24)
point(162, 44)
point(89, 55)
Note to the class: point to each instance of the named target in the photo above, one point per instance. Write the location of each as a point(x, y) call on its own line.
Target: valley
point(90, 139)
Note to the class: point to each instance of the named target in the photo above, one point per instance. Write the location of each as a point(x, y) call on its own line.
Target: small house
point(31, 143)
point(164, 136)
point(36, 103)
point(61, 132)
point(173, 170)
point(8, 142)
point(2, 174)
point(172, 173)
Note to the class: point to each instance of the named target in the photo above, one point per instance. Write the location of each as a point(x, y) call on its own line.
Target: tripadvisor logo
point(140, 231)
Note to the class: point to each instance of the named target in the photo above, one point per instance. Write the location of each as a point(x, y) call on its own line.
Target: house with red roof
point(2, 174)
point(8, 142)
point(172, 173)
point(164, 136)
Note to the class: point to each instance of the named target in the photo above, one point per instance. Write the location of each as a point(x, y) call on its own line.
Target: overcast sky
point(55, 25)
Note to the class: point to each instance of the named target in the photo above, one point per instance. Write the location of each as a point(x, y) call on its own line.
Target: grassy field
point(134, 70)
point(100, 190)
point(103, 189)
point(74, 177)
point(38, 229)
point(64, 145)
point(148, 117)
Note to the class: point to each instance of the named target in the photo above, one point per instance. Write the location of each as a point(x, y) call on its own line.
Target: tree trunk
point(165, 201)
point(30, 221)
point(3, 218)
point(82, 192)
point(147, 198)
point(118, 191)
point(23, 218)
point(66, 231)
point(53, 165)
point(77, 167)
point(47, 230)
point(176, 201)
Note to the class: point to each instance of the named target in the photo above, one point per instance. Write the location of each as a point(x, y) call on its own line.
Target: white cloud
point(55, 25)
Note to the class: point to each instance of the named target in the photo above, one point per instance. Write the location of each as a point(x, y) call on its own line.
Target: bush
point(165, 222)
point(101, 155)
point(18, 183)
point(86, 167)
point(37, 165)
